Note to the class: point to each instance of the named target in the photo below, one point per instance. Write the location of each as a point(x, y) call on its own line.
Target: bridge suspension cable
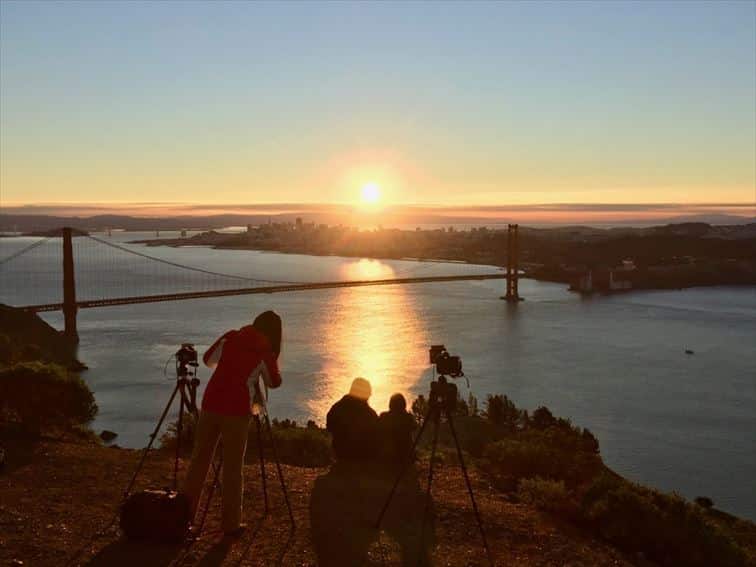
point(421, 267)
point(190, 268)
point(111, 273)
point(23, 251)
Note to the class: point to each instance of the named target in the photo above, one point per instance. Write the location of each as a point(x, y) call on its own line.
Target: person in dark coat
point(395, 429)
point(352, 424)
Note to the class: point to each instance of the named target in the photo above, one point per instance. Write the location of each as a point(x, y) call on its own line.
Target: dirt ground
point(56, 496)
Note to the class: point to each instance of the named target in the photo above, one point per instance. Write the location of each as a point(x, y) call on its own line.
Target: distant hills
point(19, 222)
point(680, 229)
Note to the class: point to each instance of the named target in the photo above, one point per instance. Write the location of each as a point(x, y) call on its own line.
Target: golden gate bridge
point(101, 255)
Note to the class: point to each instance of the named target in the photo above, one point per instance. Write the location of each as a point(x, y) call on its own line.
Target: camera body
point(443, 393)
point(186, 356)
point(446, 364)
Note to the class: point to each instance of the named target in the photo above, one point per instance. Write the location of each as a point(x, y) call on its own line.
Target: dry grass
point(54, 495)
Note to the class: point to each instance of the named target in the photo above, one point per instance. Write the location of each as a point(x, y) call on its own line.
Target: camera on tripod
point(446, 364)
point(186, 356)
point(164, 515)
point(442, 401)
point(443, 392)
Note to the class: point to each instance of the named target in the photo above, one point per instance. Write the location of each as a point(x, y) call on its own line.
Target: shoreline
point(529, 272)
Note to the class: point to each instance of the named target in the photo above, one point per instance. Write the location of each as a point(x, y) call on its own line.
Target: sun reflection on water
point(367, 269)
point(369, 332)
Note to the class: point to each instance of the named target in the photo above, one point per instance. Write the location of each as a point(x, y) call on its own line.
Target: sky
point(448, 104)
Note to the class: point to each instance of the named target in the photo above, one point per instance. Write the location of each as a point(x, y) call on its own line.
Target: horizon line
point(616, 206)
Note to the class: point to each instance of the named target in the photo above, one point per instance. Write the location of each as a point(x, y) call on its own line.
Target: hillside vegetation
point(545, 495)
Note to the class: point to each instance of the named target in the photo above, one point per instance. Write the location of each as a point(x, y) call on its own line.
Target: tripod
point(263, 476)
point(265, 423)
point(442, 400)
point(186, 389)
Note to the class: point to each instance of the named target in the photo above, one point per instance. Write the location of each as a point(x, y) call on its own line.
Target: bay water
point(614, 364)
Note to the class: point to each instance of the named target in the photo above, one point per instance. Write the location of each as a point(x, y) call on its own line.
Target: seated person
point(352, 423)
point(395, 430)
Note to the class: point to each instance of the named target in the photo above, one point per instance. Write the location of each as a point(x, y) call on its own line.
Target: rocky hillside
point(24, 336)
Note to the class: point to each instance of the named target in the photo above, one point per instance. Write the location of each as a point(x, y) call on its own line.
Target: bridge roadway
point(262, 289)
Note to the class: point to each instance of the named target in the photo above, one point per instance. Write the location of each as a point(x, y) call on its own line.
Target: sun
point(371, 193)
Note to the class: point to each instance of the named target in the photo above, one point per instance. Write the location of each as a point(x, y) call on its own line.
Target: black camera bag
point(156, 515)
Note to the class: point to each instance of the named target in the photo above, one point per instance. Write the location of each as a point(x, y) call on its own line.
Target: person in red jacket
point(245, 363)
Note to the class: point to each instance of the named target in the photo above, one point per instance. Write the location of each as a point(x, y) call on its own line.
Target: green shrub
point(474, 435)
point(549, 495)
point(420, 408)
point(300, 446)
point(664, 527)
point(188, 429)
point(542, 418)
point(589, 441)
point(461, 408)
point(308, 446)
point(555, 454)
point(40, 395)
point(704, 502)
point(501, 411)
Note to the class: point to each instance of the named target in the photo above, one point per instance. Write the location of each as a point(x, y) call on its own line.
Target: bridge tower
point(69, 287)
point(513, 264)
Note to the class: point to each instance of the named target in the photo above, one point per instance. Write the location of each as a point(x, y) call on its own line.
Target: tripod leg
point(402, 472)
point(179, 431)
point(263, 476)
point(469, 488)
point(217, 465)
point(153, 435)
point(436, 419)
point(280, 472)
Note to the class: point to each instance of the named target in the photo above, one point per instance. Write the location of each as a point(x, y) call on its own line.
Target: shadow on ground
point(18, 450)
point(216, 555)
point(123, 553)
point(345, 505)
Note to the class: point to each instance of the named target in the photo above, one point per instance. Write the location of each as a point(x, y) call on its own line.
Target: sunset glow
point(428, 123)
point(362, 326)
point(371, 194)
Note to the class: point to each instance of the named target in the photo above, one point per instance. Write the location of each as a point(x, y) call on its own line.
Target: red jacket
point(242, 357)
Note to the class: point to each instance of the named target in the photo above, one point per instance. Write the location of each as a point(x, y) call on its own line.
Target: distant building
point(618, 281)
point(620, 277)
point(604, 279)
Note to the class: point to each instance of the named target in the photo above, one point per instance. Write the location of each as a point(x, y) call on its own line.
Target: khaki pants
point(233, 430)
